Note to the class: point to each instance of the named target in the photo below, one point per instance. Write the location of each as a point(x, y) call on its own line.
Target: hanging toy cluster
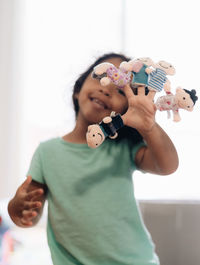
point(136, 73)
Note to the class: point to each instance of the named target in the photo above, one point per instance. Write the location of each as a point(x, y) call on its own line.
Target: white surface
point(30, 244)
point(32, 248)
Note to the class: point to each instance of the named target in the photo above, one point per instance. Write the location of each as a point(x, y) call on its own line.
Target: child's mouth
point(99, 103)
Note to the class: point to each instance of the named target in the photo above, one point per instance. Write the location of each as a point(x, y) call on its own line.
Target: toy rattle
point(183, 99)
point(108, 127)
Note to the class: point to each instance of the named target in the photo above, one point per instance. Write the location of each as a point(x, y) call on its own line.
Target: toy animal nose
point(105, 92)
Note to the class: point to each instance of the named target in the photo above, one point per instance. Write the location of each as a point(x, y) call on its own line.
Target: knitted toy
point(108, 127)
point(138, 68)
point(158, 77)
point(183, 99)
point(107, 73)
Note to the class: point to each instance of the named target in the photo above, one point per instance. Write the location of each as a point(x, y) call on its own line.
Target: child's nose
point(105, 91)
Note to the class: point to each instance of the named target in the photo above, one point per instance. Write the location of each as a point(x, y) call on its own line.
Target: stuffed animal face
point(136, 64)
point(94, 136)
point(165, 66)
point(183, 99)
point(146, 60)
point(102, 68)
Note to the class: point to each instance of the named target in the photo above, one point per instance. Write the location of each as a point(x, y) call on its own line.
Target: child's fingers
point(27, 217)
point(128, 91)
point(151, 94)
point(32, 195)
point(141, 91)
point(32, 205)
point(27, 182)
point(26, 223)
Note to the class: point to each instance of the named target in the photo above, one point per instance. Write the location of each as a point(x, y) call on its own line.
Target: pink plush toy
point(107, 73)
point(183, 99)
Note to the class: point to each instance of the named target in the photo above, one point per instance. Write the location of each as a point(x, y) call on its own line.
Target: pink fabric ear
point(137, 66)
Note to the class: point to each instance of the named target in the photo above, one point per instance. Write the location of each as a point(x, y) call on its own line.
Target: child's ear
point(76, 96)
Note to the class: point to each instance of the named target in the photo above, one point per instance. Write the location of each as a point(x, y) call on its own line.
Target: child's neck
point(78, 134)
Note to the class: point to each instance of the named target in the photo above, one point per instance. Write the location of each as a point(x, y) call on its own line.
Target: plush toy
point(108, 127)
point(183, 99)
point(158, 77)
point(107, 73)
point(138, 68)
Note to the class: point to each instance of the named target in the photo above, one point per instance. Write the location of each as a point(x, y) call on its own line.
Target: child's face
point(97, 101)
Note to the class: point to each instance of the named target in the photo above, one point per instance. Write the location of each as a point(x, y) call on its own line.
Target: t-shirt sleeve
point(35, 168)
point(135, 148)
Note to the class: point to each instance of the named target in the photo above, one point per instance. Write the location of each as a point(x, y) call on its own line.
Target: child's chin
point(98, 117)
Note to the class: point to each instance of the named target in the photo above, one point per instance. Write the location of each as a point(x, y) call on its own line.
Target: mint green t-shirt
point(93, 217)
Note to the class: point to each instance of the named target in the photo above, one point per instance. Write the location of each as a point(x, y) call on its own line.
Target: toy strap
point(111, 127)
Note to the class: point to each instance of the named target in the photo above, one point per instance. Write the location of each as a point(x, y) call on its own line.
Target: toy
point(158, 77)
point(183, 99)
point(138, 67)
point(108, 127)
point(107, 73)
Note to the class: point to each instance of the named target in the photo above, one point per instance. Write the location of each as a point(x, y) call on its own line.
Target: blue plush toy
point(138, 68)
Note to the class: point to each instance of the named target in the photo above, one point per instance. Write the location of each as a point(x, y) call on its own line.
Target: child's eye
point(121, 92)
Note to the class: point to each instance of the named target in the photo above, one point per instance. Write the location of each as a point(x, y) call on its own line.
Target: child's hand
point(24, 207)
point(141, 111)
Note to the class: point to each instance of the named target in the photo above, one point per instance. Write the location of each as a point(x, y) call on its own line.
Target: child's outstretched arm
point(26, 207)
point(159, 156)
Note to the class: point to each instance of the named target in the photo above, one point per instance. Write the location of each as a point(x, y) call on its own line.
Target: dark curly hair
point(125, 132)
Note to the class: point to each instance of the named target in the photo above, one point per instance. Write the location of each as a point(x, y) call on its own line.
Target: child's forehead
point(116, 61)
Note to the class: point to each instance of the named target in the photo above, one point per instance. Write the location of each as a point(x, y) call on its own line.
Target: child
point(93, 218)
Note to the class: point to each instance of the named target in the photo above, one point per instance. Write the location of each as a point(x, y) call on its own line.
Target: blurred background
point(46, 44)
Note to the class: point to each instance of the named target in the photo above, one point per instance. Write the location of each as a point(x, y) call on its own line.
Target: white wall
point(9, 96)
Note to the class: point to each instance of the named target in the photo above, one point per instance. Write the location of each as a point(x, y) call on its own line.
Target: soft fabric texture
point(118, 77)
point(183, 99)
point(93, 217)
point(107, 73)
point(157, 80)
point(167, 102)
point(140, 78)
